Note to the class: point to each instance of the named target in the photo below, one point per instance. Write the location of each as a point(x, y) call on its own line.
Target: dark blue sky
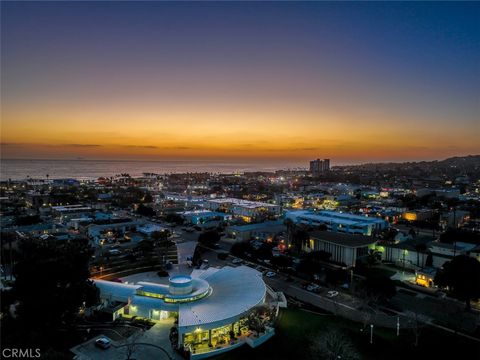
point(415, 64)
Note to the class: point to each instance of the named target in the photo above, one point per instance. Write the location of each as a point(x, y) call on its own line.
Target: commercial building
point(203, 216)
point(212, 307)
point(338, 222)
point(345, 249)
point(261, 231)
point(149, 228)
point(68, 212)
point(318, 166)
point(246, 209)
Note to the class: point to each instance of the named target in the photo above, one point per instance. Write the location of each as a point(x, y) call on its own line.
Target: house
point(425, 277)
point(344, 248)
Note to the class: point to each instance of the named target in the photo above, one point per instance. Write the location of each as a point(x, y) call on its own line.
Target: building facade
point(210, 305)
point(345, 249)
point(339, 222)
point(318, 166)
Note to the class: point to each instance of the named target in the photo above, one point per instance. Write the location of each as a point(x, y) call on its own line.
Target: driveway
point(147, 346)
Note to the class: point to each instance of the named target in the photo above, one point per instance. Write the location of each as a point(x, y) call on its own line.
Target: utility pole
point(398, 325)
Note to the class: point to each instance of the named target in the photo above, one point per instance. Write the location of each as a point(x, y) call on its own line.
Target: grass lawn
point(375, 271)
point(295, 328)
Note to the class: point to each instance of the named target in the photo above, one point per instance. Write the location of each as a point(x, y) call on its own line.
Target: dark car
point(103, 343)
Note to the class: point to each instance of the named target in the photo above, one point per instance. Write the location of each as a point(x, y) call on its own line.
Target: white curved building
point(211, 306)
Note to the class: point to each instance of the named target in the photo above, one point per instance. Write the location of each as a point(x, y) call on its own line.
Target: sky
point(255, 81)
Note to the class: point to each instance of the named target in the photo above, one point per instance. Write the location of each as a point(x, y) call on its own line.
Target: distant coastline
point(19, 169)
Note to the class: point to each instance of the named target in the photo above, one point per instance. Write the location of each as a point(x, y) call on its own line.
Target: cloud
point(180, 148)
point(159, 147)
point(81, 145)
point(11, 144)
point(141, 146)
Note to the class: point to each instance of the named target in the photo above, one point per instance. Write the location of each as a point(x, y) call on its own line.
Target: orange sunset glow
point(292, 93)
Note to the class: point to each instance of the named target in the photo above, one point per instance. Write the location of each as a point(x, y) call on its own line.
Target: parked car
point(270, 274)
point(236, 261)
point(103, 343)
point(313, 288)
point(332, 293)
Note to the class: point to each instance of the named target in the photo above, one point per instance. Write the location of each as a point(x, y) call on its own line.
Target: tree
point(417, 323)
point(379, 286)
point(420, 248)
point(145, 210)
point(333, 345)
point(173, 336)
point(260, 317)
point(147, 198)
point(174, 218)
point(145, 247)
point(429, 260)
point(240, 248)
point(462, 276)
point(209, 238)
point(197, 256)
point(281, 261)
point(160, 236)
point(132, 345)
point(300, 237)
point(373, 257)
point(290, 226)
point(27, 220)
point(10, 255)
point(52, 284)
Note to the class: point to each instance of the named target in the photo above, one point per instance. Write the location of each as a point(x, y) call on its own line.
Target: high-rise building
point(318, 166)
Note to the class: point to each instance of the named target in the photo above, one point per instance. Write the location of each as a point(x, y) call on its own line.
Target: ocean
point(93, 169)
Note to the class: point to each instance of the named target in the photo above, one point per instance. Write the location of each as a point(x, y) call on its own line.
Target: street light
point(398, 325)
point(371, 333)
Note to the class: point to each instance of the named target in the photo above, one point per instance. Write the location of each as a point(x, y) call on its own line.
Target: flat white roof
point(72, 208)
point(150, 228)
point(334, 217)
point(116, 291)
point(242, 202)
point(235, 291)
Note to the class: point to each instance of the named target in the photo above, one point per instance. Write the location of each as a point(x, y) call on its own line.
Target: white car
point(236, 261)
point(103, 343)
point(270, 274)
point(332, 293)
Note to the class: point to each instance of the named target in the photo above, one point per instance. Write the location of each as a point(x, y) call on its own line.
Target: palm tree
point(373, 257)
point(290, 225)
point(420, 248)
